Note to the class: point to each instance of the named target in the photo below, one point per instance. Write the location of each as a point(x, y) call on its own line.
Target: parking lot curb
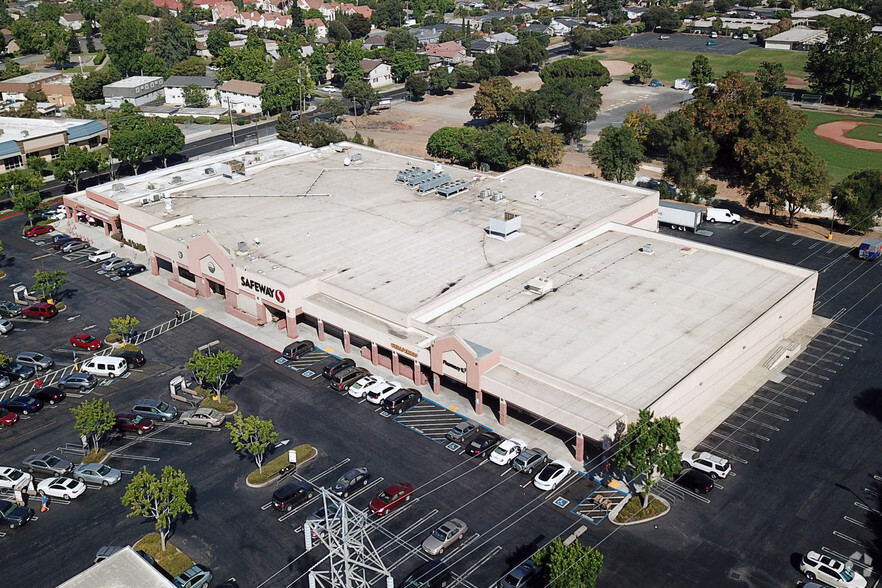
point(275, 478)
point(615, 512)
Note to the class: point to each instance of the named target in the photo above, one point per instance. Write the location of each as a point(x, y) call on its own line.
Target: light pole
point(230, 113)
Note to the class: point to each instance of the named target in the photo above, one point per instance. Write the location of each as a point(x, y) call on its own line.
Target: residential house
point(225, 9)
point(561, 26)
point(375, 40)
point(174, 89)
point(376, 73)
point(174, 7)
point(59, 93)
point(15, 88)
point(71, 20)
point(136, 90)
point(25, 138)
point(241, 96)
point(448, 53)
point(503, 39)
point(321, 29)
point(431, 33)
point(329, 9)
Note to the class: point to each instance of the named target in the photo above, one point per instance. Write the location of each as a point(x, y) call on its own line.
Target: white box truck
point(721, 215)
point(679, 216)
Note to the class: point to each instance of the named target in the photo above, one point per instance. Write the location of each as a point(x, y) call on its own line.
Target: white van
point(721, 215)
point(106, 366)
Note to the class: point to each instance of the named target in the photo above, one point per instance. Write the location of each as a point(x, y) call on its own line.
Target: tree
point(494, 99)
point(21, 186)
point(218, 39)
point(318, 65)
point(528, 146)
point(858, 199)
point(90, 88)
point(213, 369)
point(195, 96)
point(642, 69)
point(702, 72)
point(358, 26)
point(640, 122)
point(787, 174)
point(405, 63)
point(126, 38)
point(77, 160)
point(440, 79)
point(48, 283)
point(124, 326)
point(252, 435)
point(388, 13)
point(347, 60)
point(286, 128)
point(416, 85)
point(401, 40)
point(361, 92)
point(663, 18)
point(650, 448)
point(511, 59)
point(165, 138)
point(590, 71)
point(568, 566)
point(770, 75)
point(486, 66)
point(571, 102)
point(94, 419)
point(849, 63)
point(580, 39)
point(162, 499)
point(334, 107)
point(687, 159)
point(455, 144)
point(318, 134)
point(617, 153)
point(192, 66)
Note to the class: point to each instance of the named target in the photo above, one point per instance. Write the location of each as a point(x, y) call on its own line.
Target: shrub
point(272, 468)
point(172, 560)
point(633, 512)
point(130, 347)
point(95, 457)
point(60, 306)
point(112, 338)
point(99, 57)
point(116, 236)
point(204, 120)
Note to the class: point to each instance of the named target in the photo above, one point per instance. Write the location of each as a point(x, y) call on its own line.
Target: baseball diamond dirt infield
point(835, 131)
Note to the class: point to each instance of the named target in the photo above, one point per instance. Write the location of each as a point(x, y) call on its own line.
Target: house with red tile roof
point(173, 6)
point(321, 29)
point(448, 53)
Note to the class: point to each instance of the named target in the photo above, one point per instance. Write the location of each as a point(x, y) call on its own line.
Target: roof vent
point(243, 247)
point(257, 241)
point(176, 180)
point(151, 186)
point(25, 133)
point(209, 171)
point(506, 228)
point(119, 187)
point(539, 286)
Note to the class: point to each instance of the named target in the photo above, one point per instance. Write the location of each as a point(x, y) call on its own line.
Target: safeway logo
point(280, 296)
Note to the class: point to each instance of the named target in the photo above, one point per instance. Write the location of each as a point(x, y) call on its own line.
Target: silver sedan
point(97, 473)
point(444, 536)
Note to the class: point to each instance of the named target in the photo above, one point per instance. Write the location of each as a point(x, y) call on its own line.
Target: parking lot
point(694, 43)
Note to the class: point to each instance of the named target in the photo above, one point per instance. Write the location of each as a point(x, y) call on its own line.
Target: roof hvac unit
point(119, 187)
point(498, 196)
point(539, 286)
point(243, 247)
point(176, 180)
point(157, 197)
point(151, 186)
point(209, 171)
point(145, 200)
point(505, 228)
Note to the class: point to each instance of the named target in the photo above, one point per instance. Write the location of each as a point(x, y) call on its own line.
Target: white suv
point(712, 465)
point(507, 451)
point(829, 570)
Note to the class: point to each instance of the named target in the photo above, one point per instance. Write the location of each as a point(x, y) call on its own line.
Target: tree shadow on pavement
point(870, 402)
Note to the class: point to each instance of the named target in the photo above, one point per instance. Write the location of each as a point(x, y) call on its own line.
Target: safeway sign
point(263, 289)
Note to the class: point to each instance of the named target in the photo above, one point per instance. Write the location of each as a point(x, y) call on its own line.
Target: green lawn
point(841, 160)
point(669, 65)
point(870, 132)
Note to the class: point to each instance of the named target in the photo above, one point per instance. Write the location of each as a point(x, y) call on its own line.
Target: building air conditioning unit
point(209, 171)
point(119, 187)
point(156, 197)
point(176, 180)
point(498, 196)
point(151, 186)
point(145, 200)
point(539, 286)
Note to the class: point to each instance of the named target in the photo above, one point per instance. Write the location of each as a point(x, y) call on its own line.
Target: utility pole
point(230, 113)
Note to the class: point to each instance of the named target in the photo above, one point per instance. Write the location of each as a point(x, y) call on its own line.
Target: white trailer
point(679, 216)
point(683, 84)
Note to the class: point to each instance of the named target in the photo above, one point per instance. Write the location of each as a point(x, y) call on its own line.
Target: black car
point(48, 394)
point(130, 269)
point(432, 574)
point(17, 372)
point(483, 444)
point(9, 309)
point(133, 358)
point(14, 515)
point(298, 349)
point(337, 366)
point(694, 480)
point(22, 404)
point(60, 237)
point(402, 400)
point(291, 495)
point(351, 481)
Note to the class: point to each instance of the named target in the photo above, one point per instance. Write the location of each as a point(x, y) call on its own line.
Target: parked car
point(552, 475)
point(9, 309)
point(831, 571)
point(22, 404)
point(298, 349)
point(72, 246)
point(444, 536)
point(506, 451)
point(329, 89)
point(35, 360)
point(391, 498)
point(194, 577)
point(57, 245)
point(48, 463)
point(402, 400)
point(713, 465)
point(42, 311)
point(77, 381)
point(59, 237)
point(291, 495)
point(483, 444)
point(711, 43)
point(663, 37)
point(86, 341)
point(38, 230)
point(133, 358)
point(522, 575)
point(14, 515)
point(101, 255)
point(360, 388)
point(207, 417)
point(463, 432)
point(131, 269)
point(61, 487)
point(108, 550)
point(316, 521)
point(432, 574)
point(341, 381)
point(337, 366)
point(6, 326)
point(14, 478)
point(134, 422)
point(97, 473)
point(48, 394)
point(529, 460)
point(694, 480)
point(17, 372)
point(381, 391)
point(156, 410)
point(351, 481)
point(7, 418)
point(114, 264)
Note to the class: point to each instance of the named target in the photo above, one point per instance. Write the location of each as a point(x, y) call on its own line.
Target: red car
point(86, 341)
point(131, 422)
point(391, 498)
point(7, 417)
point(38, 230)
point(42, 311)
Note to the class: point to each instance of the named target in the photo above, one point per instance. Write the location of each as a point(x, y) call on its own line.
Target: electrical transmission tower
point(352, 559)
